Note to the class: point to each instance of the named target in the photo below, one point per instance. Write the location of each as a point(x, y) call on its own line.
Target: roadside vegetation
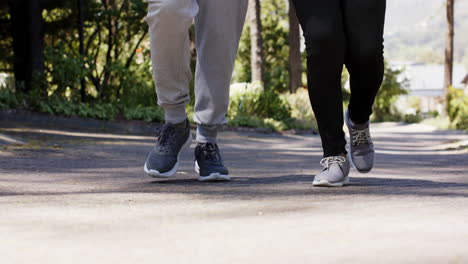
point(110, 78)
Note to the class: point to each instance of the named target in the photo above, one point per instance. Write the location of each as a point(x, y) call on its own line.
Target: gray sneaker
point(361, 148)
point(335, 172)
point(209, 164)
point(163, 160)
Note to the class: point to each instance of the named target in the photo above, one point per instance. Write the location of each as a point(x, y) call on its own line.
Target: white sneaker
point(335, 172)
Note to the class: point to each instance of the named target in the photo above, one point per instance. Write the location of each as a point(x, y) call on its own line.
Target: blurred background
point(90, 58)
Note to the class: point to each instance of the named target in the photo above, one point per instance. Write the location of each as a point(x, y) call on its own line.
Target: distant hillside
point(415, 30)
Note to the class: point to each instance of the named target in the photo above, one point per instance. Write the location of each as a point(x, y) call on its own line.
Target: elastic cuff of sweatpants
point(175, 115)
point(207, 133)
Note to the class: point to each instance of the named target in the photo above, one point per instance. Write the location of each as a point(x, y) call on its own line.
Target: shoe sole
point(325, 183)
point(171, 172)
point(215, 176)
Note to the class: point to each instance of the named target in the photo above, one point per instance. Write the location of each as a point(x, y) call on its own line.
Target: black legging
point(338, 32)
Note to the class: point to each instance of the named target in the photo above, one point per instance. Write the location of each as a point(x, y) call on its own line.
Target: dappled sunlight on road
point(75, 134)
point(261, 165)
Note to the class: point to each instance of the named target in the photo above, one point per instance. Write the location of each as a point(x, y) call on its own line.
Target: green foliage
point(64, 71)
point(251, 106)
point(244, 98)
point(412, 118)
point(6, 44)
point(276, 48)
point(146, 113)
point(108, 111)
point(256, 122)
point(457, 108)
point(391, 89)
point(301, 110)
point(58, 106)
point(253, 100)
point(247, 121)
point(115, 66)
point(8, 99)
point(433, 114)
point(135, 87)
point(271, 105)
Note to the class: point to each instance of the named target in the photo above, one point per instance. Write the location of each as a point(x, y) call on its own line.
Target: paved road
point(81, 197)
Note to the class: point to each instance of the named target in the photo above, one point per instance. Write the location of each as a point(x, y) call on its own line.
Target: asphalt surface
point(81, 196)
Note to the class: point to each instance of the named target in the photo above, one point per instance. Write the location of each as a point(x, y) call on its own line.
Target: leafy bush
point(100, 111)
point(7, 101)
point(412, 118)
point(58, 106)
point(251, 106)
point(251, 99)
point(301, 110)
point(244, 98)
point(64, 71)
point(271, 106)
point(8, 98)
point(457, 108)
point(146, 113)
point(275, 124)
point(257, 122)
point(246, 121)
point(391, 89)
point(432, 114)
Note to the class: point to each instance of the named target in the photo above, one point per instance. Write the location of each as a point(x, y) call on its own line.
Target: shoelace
point(209, 151)
point(165, 137)
point(361, 136)
point(328, 161)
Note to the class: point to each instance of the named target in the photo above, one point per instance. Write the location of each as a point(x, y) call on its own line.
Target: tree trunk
point(81, 47)
point(295, 64)
point(448, 54)
point(26, 20)
point(257, 55)
point(465, 82)
point(105, 92)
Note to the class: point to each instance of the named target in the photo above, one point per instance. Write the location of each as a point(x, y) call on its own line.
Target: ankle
point(207, 134)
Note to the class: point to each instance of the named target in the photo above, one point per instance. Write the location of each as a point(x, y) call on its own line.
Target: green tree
point(391, 89)
point(276, 48)
point(115, 66)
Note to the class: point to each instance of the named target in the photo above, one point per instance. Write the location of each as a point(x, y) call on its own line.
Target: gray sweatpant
point(218, 26)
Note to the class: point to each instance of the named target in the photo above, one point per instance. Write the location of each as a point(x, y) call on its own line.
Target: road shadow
point(263, 166)
point(278, 186)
